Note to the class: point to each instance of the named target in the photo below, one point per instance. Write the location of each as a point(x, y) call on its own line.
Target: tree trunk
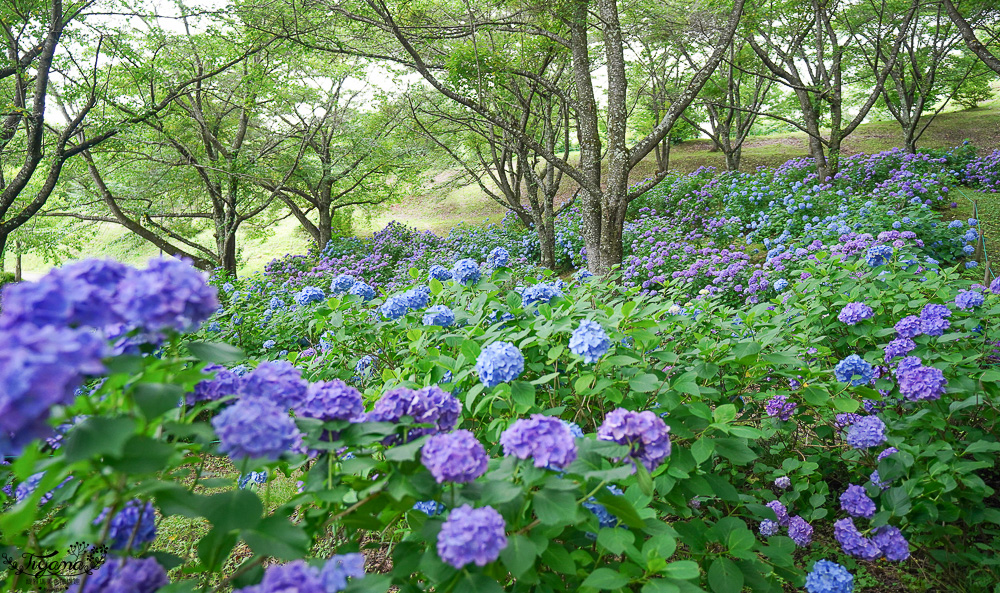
point(229, 253)
point(17, 267)
point(3, 248)
point(325, 226)
point(547, 241)
point(733, 158)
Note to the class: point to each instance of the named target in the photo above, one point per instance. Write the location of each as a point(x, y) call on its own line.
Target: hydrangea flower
point(604, 517)
point(780, 511)
point(439, 315)
point(28, 487)
point(543, 292)
point(276, 303)
point(429, 405)
point(295, 576)
point(465, 271)
point(583, 275)
point(891, 543)
point(168, 294)
point(867, 432)
point(933, 319)
point(341, 284)
point(878, 255)
point(780, 284)
point(898, 348)
point(362, 289)
point(268, 344)
point(251, 478)
point(331, 400)
point(908, 327)
point(548, 441)
point(339, 568)
point(498, 258)
point(852, 542)
point(856, 503)
point(769, 527)
point(417, 297)
point(499, 362)
point(589, 341)
point(852, 313)
point(471, 536)
point(908, 363)
point(394, 307)
point(309, 294)
point(276, 381)
point(256, 428)
point(440, 272)
point(454, 457)
point(134, 524)
point(800, 531)
point(784, 482)
point(647, 436)
point(922, 383)
point(429, 507)
point(854, 366)
point(829, 577)
point(995, 286)
point(778, 407)
point(876, 480)
point(125, 575)
point(969, 299)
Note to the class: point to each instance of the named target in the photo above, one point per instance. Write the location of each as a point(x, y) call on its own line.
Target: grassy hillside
point(440, 210)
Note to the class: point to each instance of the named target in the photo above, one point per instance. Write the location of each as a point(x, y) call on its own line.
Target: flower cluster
point(135, 575)
point(465, 271)
point(499, 362)
point(589, 341)
point(429, 405)
point(471, 536)
point(439, 315)
point(647, 436)
point(255, 427)
point(852, 313)
point(868, 431)
point(548, 441)
point(132, 527)
point(454, 457)
point(779, 407)
point(854, 366)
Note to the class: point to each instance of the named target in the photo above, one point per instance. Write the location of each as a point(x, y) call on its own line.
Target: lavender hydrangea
point(429, 405)
point(589, 341)
point(276, 381)
point(854, 366)
point(341, 284)
point(295, 576)
point(498, 258)
point(898, 348)
point(465, 271)
point(867, 432)
point(124, 575)
point(852, 542)
point(439, 315)
point(363, 290)
point(256, 428)
point(907, 364)
point(647, 436)
point(471, 536)
point(908, 327)
point(969, 299)
point(934, 319)
point(225, 382)
point(829, 577)
point(891, 543)
point(168, 294)
point(800, 531)
point(783, 482)
point(856, 503)
point(331, 400)
point(132, 527)
point(499, 362)
point(548, 441)
point(454, 457)
point(853, 313)
point(339, 568)
point(780, 512)
point(769, 527)
point(922, 383)
point(779, 407)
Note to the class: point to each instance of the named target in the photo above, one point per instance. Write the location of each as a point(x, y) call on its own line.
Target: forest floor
point(453, 203)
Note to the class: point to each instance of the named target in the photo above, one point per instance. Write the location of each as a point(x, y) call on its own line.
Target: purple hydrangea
point(28, 487)
point(309, 294)
point(907, 364)
point(780, 511)
point(887, 452)
point(908, 327)
point(854, 366)
point(296, 576)
point(362, 289)
point(454, 457)
point(471, 536)
point(898, 348)
point(134, 518)
point(41, 367)
point(867, 432)
point(876, 480)
point(276, 381)
point(465, 271)
point(933, 319)
point(647, 436)
point(225, 382)
point(995, 285)
point(829, 577)
point(891, 542)
point(255, 428)
point(769, 527)
point(779, 407)
point(852, 313)
point(784, 482)
point(852, 542)
point(548, 441)
point(339, 568)
point(856, 503)
point(439, 315)
point(499, 362)
point(124, 575)
point(921, 383)
point(168, 294)
point(800, 531)
point(589, 341)
point(498, 258)
point(846, 419)
point(341, 284)
point(430, 405)
point(969, 299)
point(331, 400)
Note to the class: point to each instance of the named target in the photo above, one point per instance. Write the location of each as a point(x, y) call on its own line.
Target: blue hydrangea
point(769, 527)
point(125, 575)
point(583, 275)
point(365, 365)
point(589, 341)
point(547, 441)
point(268, 344)
point(800, 531)
point(921, 383)
point(647, 436)
point(134, 518)
point(429, 507)
point(394, 307)
point(852, 313)
point(970, 235)
point(465, 271)
point(309, 294)
point(256, 428)
point(213, 327)
point(454, 457)
point(543, 292)
point(26, 488)
point(868, 431)
point(228, 287)
point(498, 258)
point(955, 224)
point(969, 299)
point(971, 264)
point(439, 315)
point(574, 429)
point(855, 502)
point(341, 284)
point(471, 536)
point(251, 478)
point(973, 222)
point(440, 272)
point(780, 284)
point(854, 366)
point(878, 255)
point(338, 569)
point(604, 517)
point(417, 297)
point(968, 250)
point(276, 303)
point(499, 362)
point(362, 289)
point(829, 577)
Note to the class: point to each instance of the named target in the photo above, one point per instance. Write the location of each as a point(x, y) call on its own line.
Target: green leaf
point(660, 586)
point(476, 582)
point(746, 352)
point(97, 436)
point(645, 383)
point(643, 478)
point(523, 394)
point(615, 539)
point(687, 383)
point(142, 455)
point(724, 576)
point(215, 352)
point(815, 396)
point(724, 413)
point(735, 450)
point(276, 536)
point(605, 579)
point(470, 349)
point(155, 399)
point(514, 300)
point(407, 452)
point(846, 404)
point(519, 555)
point(702, 449)
point(236, 509)
point(683, 569)
point(620, 507)
point(554, 507)
point(982, 447)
